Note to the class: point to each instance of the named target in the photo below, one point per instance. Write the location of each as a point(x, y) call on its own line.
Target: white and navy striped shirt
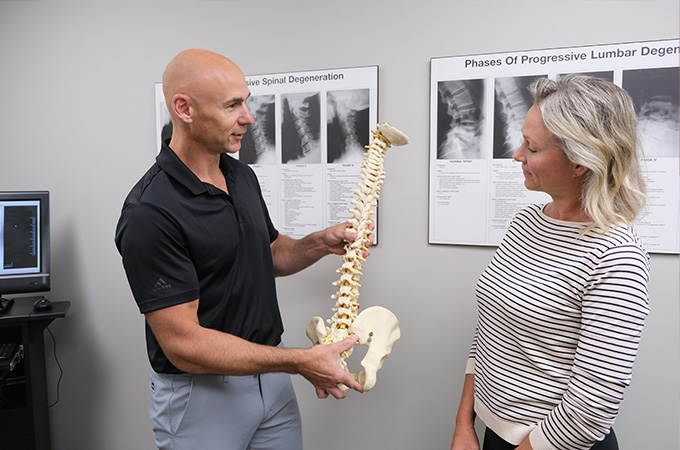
point(560, 319)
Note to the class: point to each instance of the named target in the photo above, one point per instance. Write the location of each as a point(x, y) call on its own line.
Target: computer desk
point(24, 421)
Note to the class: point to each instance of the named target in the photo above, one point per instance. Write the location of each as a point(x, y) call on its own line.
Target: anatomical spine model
point(377, 327)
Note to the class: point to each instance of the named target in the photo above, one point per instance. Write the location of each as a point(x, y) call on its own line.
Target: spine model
point(366, 194)
point(340, 325)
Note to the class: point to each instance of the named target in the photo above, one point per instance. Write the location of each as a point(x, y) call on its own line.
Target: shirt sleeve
point(614, 307)
point(155, 257)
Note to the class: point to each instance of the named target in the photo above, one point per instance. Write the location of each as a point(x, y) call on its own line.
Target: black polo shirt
point(182, 239)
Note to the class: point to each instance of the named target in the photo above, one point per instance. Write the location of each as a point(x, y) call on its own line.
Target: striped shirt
point(560, 319)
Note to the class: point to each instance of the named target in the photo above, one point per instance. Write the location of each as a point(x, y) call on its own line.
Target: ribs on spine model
point(376, 327)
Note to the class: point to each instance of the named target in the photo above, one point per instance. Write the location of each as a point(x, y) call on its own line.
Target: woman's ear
point(579, 171)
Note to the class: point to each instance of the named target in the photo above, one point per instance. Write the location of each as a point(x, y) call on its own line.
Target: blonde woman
point(563, 302)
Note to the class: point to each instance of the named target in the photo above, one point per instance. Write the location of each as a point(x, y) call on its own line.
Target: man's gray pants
point(216, 412)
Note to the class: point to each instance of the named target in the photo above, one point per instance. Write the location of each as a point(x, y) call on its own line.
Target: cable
point(61, 371)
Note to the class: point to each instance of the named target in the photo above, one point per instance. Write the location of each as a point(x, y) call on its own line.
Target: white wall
point(77, 118)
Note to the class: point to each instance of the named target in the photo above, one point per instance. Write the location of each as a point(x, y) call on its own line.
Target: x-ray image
point(300, 128)
point(347, 125)
point(512, 101)
point(460, 115)
point(655, 95)
point(259, 142)
point(606, 75)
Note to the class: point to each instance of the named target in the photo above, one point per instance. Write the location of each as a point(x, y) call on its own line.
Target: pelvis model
point(377, 327)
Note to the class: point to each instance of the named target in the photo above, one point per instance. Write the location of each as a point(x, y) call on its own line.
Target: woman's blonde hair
point(595, 125)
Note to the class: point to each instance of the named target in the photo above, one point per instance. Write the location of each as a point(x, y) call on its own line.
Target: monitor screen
point(24, 242)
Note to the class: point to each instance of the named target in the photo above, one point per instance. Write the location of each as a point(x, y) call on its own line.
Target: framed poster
point(308, 141)
point(477, 107)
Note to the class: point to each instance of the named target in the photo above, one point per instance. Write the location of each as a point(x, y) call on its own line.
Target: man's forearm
point(196, 349)
point(203, 350)
point(293, 255)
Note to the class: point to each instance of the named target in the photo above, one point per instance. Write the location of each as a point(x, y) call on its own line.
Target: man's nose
point(247, 118)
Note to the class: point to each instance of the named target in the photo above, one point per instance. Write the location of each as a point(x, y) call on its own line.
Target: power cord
point(61, 371)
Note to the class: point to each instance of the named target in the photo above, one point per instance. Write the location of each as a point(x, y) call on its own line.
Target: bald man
point(201, 254)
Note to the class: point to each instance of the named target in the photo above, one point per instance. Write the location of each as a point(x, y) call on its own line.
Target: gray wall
point(77, 118)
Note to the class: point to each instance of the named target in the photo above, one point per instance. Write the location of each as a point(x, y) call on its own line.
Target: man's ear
point(180, 106)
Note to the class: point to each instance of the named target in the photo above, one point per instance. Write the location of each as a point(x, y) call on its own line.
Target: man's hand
point(336, 236)
point(323, 369)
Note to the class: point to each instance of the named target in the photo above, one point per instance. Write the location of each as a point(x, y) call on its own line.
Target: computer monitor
point(24, 242)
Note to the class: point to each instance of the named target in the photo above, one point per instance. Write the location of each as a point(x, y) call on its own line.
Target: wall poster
point(477, 107)
point(307, 142)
